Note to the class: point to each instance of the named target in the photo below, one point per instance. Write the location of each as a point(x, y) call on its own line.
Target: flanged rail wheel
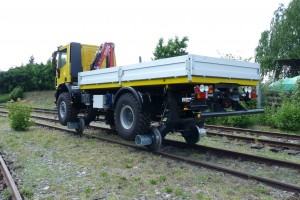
point(129, 118)
point(191, 134)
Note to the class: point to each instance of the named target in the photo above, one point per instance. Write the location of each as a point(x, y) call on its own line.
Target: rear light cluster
point(202, 91)
point(251, 92)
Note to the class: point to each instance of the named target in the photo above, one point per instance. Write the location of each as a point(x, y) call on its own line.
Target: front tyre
point(130, 120)
point(65, 110)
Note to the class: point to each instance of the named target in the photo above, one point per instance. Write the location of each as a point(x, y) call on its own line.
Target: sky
point(214, 27)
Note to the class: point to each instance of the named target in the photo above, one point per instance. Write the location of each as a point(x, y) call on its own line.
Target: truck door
point(63, 67)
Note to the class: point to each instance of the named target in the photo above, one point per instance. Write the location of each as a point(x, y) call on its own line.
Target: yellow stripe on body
point(168, 81)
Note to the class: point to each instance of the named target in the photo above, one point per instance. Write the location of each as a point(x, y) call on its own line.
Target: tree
point(231, 56)
point(175, 47)
point(31, 60)
point(282, 41)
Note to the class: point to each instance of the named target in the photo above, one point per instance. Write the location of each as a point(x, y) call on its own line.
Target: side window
point(61, 58)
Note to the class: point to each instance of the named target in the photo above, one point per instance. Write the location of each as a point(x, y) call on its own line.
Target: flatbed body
point(188, 69)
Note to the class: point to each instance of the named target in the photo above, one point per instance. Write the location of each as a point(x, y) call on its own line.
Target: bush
point(19, 115)
point(4, 98)
point(288, 116)
point(16, 93)
point(241, 121)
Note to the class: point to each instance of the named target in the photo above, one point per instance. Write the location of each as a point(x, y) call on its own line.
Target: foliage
point(4, 98)
point(231, 56)
point(241, 121)
point(296, 92)
point(31, 60)
point(16, 93)
point(30, 77)
point(288, 116)
point(174, 47)
point(19, 115)
point(282, 41)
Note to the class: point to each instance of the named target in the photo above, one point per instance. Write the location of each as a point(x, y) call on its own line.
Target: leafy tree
point(231, 56)
point(282, 41)
point(31, 60)
point(174, 47)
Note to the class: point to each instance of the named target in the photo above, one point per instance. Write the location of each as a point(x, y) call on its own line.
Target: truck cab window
point(62, 58)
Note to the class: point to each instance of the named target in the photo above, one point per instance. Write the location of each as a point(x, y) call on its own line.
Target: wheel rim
point(62, 109)
point(127, 117)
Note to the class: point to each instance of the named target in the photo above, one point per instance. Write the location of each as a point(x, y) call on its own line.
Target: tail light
point(201, 91)
point(250, 92)
point(253, 94)
point(210, 89)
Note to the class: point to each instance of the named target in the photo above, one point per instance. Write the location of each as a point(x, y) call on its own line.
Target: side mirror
point(54, 61)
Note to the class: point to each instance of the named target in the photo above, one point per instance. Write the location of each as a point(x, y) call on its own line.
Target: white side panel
point(181, 66)
point(216, 67)
point(109, 75)
point(166, 68)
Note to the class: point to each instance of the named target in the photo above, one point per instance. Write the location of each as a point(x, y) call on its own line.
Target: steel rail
point(202, 148)
point(256, 132)
point(9, 180)
point(254, 140)
point(270, 182)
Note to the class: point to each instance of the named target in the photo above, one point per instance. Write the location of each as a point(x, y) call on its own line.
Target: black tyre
point(129, 118)
point(191, 134)
point(65, 110)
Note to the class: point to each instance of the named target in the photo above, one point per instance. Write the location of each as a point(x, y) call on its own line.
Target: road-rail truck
point(148, 100)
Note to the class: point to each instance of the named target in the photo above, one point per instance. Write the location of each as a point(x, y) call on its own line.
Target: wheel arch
point(131, 90)
point(65, 87)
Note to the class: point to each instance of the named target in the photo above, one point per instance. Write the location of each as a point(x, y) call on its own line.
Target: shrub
point(16, 93)
point(241, 121)
point(288, 116)
point(4, 98)
point(19, 115)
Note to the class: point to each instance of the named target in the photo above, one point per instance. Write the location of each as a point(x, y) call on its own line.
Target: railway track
point(202, 148)
point(8, 181)
point(271, 182)
point(274, 143)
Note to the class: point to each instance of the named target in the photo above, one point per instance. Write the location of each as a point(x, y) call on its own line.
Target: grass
point(39, 99)
point(88, 169)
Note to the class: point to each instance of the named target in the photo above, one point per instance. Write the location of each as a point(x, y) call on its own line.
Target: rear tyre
point(66, 113)
point(129, 118)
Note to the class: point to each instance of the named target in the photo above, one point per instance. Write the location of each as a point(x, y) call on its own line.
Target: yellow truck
point(146, 101)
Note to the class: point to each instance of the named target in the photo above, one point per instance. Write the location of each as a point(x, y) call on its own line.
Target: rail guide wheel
point(156, 140)
point(151, 141)
point(192, 133)
point(81, 126)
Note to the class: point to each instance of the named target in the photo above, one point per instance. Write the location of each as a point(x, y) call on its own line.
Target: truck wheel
point(129, 118)
point(191, 134)
point(66, 113)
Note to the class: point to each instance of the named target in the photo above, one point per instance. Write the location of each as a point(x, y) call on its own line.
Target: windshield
point(61, 58)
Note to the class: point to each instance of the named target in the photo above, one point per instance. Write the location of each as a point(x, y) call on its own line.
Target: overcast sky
point(37, 27)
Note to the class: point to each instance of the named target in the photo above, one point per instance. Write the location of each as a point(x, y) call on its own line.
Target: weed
point(168, 189)
point(162, 178)
point(179, 192)
point(203, 196)
point(153, 181)
point(128, 166)
point(7, 193)
point(104, 174)
point(27, 192)
point(88, 190)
